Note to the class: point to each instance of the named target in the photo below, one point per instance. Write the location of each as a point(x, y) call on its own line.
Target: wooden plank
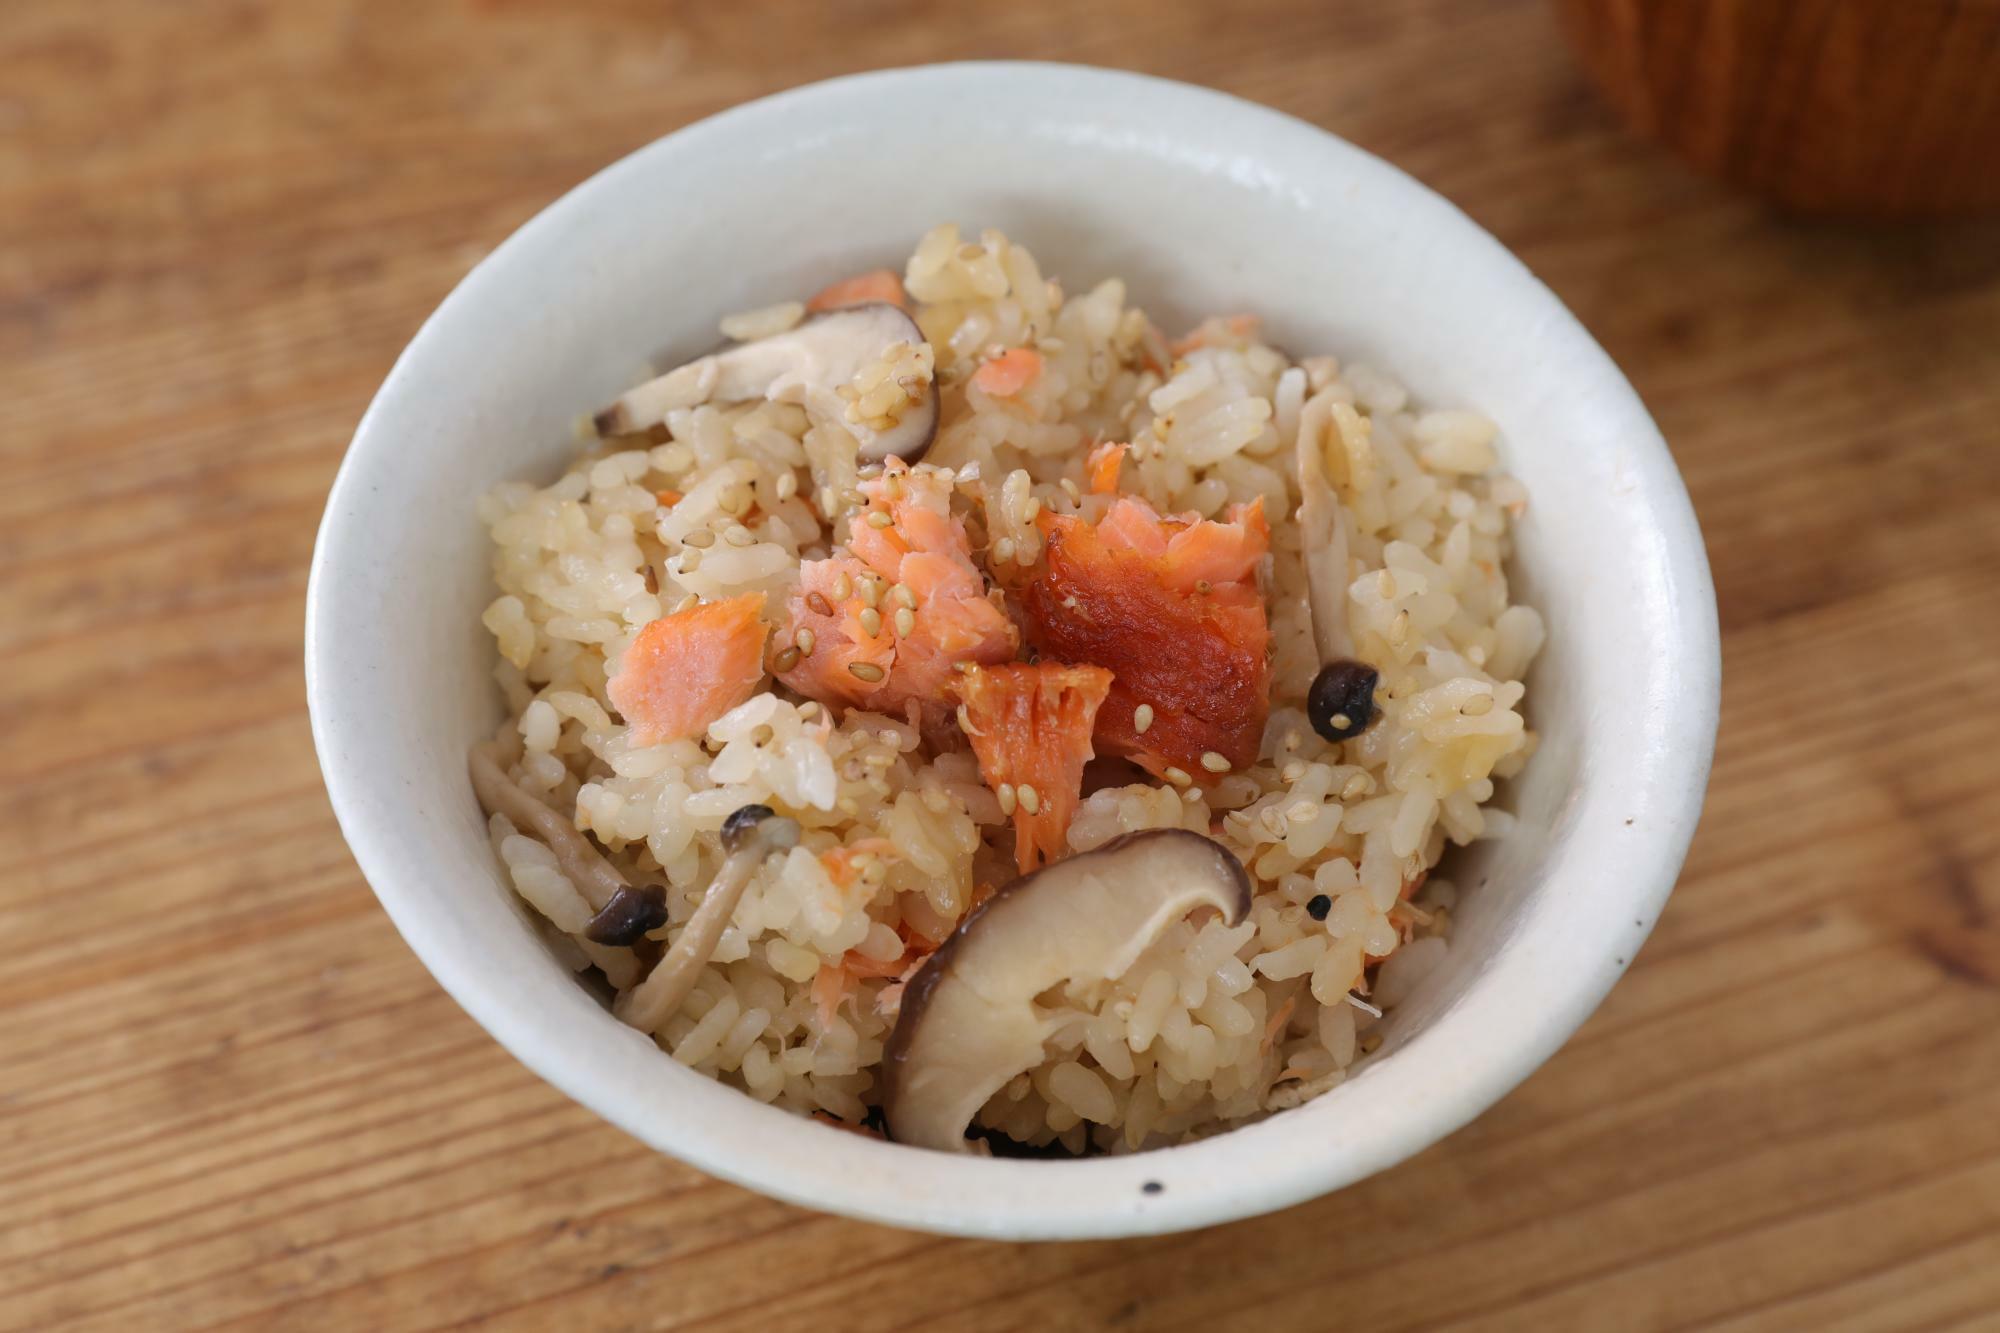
point(232, 1098)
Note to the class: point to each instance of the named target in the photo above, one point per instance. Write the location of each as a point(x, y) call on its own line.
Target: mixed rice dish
point(955, 711)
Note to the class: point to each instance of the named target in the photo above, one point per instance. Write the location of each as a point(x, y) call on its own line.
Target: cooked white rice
point(1214, 1025)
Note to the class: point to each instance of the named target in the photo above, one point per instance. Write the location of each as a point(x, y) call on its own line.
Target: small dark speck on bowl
point(1153, 1187)
point(1628, 823)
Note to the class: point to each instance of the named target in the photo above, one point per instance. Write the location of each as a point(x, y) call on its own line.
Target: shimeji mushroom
point(807, 364)
point(748, 836)
point(1341, 703)
point(582, 864)
point(625, 914)
point(969, 1021)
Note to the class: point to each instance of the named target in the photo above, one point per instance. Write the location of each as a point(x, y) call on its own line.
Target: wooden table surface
point(230, 1096)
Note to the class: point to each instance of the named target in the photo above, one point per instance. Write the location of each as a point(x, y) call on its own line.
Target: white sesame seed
point(1003, 550)
point(1030, 799)
point(805, 639)
point(1070, 489)
point(1356, 787)
point(1214, 761)
point(906, 620)
point(870, 590)
point(808, 710)
point(1340, 721)
point(690, 561)
point(871, 622)
point(1142, 718)
point(740, 537)
point(843, 588)
point(701, 539)
point(878, 519)
point(687, 603)
point(870, 471)
point(1177, 776)
point(1006, 795)
point(1293, 771)
point(1479, 705)
point(1031, 510)
point(788, 485)
point(902, 596)
point(867, 671)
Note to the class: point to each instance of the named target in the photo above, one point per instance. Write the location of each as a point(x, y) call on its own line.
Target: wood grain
point(229, 1097)
point(1858, 108)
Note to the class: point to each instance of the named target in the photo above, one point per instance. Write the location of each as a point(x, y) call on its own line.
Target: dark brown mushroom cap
point(968, 1021)
point(629, 915)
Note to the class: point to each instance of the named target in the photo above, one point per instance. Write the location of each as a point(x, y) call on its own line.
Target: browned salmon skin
point(1171, 607)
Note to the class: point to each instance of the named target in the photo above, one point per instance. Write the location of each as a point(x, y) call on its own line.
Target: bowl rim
point(1099, 1197)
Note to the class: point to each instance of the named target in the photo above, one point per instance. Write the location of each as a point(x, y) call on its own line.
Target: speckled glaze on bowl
point(1203, 203)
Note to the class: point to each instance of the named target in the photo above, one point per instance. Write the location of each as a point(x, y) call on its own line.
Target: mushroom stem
point(595, 878)
point(749, 835)
point(1322, 534)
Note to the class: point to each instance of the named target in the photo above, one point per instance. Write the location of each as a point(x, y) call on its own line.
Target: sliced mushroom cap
point(808, 364)
point(969, 1021)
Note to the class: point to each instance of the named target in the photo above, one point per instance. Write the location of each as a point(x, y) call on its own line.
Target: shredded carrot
point(876, 285)
point(862, 967)
point(835, 983)
point(1203, 335)
point(843, 864)
point(668, 498)
point(1105, 461)
point(1278, 1021)
point(829, 1118)
point(829, 987)
point(1010, 372)
point(890, 998)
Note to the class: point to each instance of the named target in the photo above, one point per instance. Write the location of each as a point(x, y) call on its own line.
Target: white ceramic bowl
point(1204, 203)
